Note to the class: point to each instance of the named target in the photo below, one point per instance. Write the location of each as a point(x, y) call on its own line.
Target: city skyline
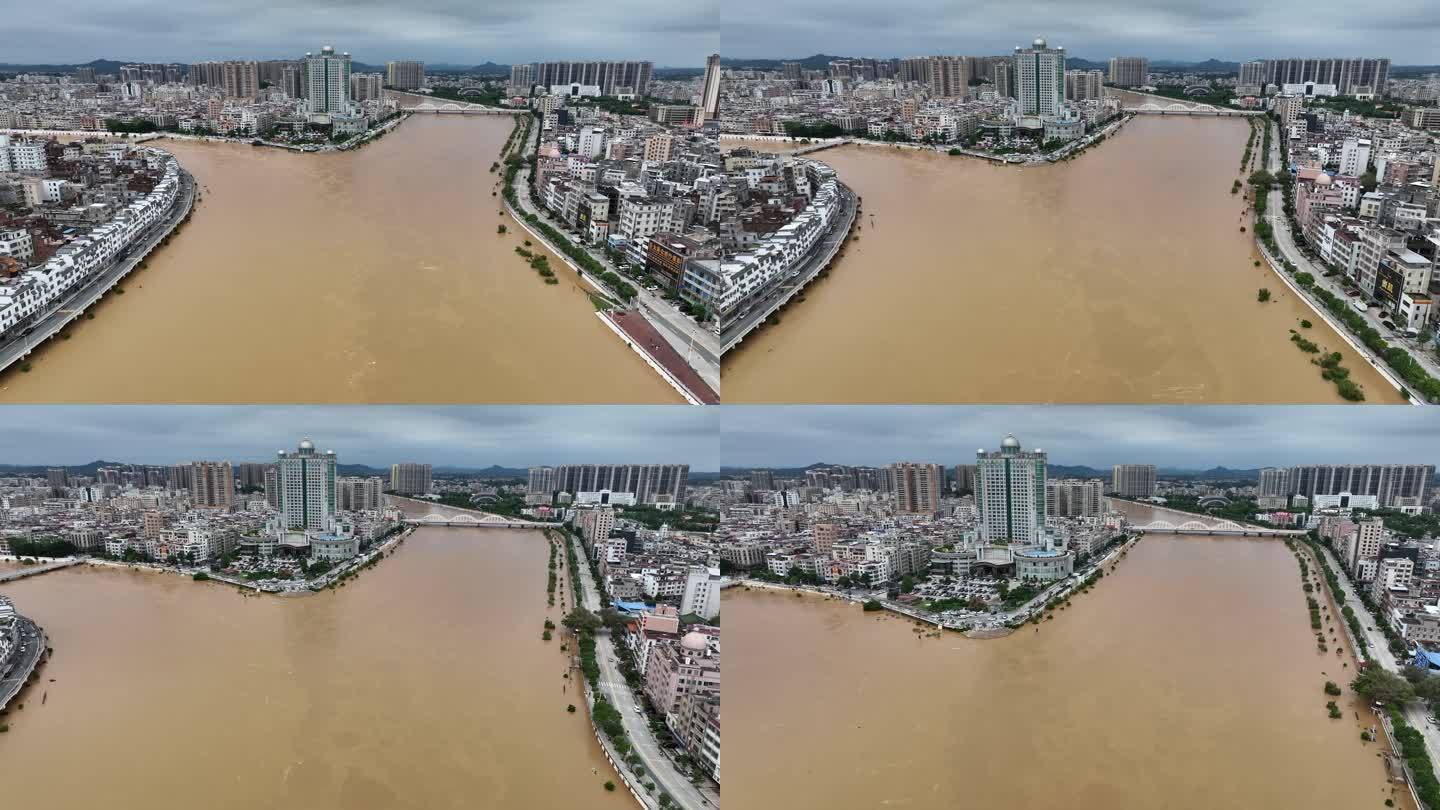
point(438, 31)
point(375, 436)
point(1168, 29)
point(1239, 437)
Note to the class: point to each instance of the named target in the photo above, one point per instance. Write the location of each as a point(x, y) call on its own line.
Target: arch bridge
point(473, 521)
point(1219, 527)
point(1154, 107)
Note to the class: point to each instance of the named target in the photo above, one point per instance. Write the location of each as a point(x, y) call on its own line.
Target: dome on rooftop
point(1039, 42)
point(306, 444)
point(693, 641)
point(1010, 442)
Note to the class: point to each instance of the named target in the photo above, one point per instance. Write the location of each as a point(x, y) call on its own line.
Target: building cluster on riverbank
point(649, 191)
point(906, 531)
point(1023, 103)
point(290, 520)
point(785, 209)
point(73, 210)
point(1366, 197)
point(314, 99)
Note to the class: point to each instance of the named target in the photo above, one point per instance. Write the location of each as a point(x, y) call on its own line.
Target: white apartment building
point(36, 289)
point(1355, 157)
point(17, 243)
point(702, 593)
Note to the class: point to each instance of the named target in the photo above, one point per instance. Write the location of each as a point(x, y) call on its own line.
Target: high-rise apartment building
point(948, 76)
point(212, 484)
point(1129, 71)
point(58, 479)
point(1274, 483)
point(240, 80)
point(710, 87)
point(1002, 73)
point(405, 75)
point(522, 78)
point(410, 479)
point(1039, 77)
point(1081, 85)
point(1133, 480)
point(650, 483)
point(1350, 76)
point(327, 79)
point(366, 86)
point(1073, 498)
point(964, 477)
point(252, 475)
point(1010, 493)
point(1252, 74)
point(305, 486)
point(612, 77)
point(917, 486)
point(1391, 484)
point(356, 494)
point(762, 479)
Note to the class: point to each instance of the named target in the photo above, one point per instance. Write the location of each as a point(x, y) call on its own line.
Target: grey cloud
point(1201, 436)
point(372, 30)
point(377, 435)
point(1095, 29)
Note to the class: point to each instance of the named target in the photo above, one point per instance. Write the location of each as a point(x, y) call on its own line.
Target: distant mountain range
point(1054, 471)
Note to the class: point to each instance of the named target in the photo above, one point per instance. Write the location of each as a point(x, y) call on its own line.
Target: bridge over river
point(475, 521)
point(1147, 104)
point(1156, 519)
point(32, 570)
point(418, 103)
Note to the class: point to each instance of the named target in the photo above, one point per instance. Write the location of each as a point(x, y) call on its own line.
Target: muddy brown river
point(1119, 276)
point(422, 684)
point(1189, 679)
point(374, 275)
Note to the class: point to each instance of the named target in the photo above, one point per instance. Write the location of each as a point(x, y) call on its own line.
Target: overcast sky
point(1232, 30)
point(1168, 436)
point(466, 32)
point(464, 436)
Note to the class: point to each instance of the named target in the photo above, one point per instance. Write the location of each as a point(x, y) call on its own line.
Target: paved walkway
point(613, 686)
point(639, 329)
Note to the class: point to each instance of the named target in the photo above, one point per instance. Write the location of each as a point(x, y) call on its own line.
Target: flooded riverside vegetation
point(1189, 680)
point(375, 275)
point(422, 683)
point(1122, 275)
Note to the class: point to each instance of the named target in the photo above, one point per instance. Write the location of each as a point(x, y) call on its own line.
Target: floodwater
point(1119, 276)
point(1189, 679)
point(375, 275)
point(421, 684)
